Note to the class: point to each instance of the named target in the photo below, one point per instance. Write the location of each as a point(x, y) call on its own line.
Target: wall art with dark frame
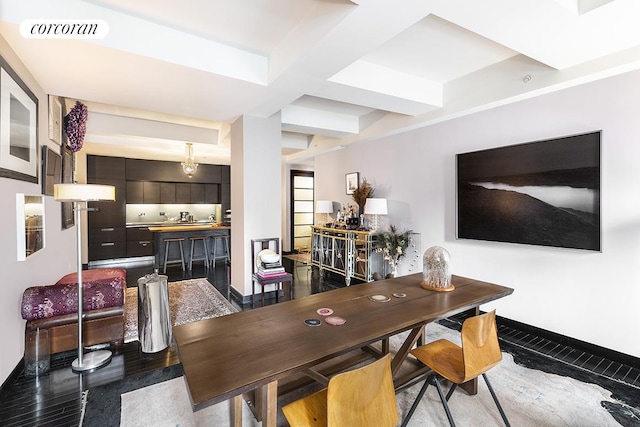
point(18, 127)
point(67, 178)
point(51, 170)
point(352, 181)
point(543, 193)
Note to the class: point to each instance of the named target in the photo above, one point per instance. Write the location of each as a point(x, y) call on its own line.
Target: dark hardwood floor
point(55, 399)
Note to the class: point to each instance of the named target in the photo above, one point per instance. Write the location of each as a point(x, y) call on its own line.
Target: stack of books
point(268, 270)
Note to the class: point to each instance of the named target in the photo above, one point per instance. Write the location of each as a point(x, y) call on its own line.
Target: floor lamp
point(79, 193)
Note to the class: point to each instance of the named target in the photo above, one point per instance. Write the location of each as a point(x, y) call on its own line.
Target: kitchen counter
point(187, 227)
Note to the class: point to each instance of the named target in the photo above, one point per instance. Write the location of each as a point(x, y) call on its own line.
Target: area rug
point(529, 398)
point(189, 301)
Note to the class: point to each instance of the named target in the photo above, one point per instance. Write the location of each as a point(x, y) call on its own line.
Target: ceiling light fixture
point(189, 165)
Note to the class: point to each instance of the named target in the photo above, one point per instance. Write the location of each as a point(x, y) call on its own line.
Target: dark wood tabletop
point(226, 356)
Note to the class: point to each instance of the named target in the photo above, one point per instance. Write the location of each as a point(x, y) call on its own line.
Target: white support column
point(256, 190)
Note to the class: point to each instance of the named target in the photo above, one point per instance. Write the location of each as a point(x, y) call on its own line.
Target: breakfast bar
point(184, 231)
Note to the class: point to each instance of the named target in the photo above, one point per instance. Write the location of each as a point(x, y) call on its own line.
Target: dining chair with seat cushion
point(357, 398)
point(479, 353)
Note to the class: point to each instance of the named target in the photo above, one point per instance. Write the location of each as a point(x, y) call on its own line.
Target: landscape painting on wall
point(540, 193)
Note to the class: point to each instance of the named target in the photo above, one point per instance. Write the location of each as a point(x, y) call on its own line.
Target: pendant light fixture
point(189, 165)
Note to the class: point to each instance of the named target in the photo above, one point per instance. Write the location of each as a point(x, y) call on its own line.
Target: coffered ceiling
point(337, 71)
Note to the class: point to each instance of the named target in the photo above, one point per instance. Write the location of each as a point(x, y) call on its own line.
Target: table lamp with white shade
point(375, 206)
point(79, 193)
point(324, 207)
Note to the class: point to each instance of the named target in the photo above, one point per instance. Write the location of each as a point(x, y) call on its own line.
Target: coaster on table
point(399, 295)
point(312, 322)
point(379, 298)
point(335, 320)
point(324, 311)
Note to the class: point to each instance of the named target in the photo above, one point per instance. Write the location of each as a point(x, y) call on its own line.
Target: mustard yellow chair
point(480, 352)
point(363, 397)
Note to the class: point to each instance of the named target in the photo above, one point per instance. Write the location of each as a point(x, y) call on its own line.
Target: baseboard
point(587, 347)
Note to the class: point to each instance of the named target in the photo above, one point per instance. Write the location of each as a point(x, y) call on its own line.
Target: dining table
point(251, 351)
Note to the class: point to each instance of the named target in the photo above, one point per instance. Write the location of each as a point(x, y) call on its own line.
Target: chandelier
point(189, 165)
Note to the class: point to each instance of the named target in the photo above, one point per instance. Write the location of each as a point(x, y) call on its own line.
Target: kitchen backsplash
point(161, 212)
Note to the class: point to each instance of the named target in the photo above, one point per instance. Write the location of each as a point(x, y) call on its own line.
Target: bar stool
point(167, 245)
point(205, 256)
point(225, 255)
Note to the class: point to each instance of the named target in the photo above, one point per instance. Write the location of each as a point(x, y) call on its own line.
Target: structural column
point(256, 190)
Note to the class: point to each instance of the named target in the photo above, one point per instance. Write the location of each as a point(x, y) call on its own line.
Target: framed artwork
point(67, 178)
point(18, 127)
point(51, 170)
point(55, 119)
point(352, 180)
point(543, 193)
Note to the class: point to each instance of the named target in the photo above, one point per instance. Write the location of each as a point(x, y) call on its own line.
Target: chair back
point(480, 346)
point(258, 245)
point(363, 397)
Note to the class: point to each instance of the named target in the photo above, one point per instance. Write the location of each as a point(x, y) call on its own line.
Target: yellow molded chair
point(358, 398)
point(480, 352)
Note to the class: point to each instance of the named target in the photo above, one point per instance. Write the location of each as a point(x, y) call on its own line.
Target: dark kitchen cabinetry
point(106, 220)
point(139, 192)
point(139, 242)
point(167, 192)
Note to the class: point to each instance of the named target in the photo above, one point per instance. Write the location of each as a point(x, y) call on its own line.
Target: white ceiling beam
point(296, 118)
point(134, 35)
point(99, 124)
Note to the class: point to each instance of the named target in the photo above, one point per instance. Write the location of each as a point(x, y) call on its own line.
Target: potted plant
point(361, 194)
point(393, 246)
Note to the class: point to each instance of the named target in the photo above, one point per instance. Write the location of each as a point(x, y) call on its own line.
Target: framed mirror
point(30, 225)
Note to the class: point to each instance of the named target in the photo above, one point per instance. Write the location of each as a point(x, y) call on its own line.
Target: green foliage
point(393, 244)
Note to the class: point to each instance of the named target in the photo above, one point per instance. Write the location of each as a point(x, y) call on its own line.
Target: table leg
point(269, 404)
point(236, 411)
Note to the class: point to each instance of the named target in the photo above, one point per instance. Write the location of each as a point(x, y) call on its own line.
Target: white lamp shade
point(83, 192)
point(324, 206)
point(376, 206)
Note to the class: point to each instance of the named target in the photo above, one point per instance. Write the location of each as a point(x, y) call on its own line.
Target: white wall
point(591, 296)
point(45, 266)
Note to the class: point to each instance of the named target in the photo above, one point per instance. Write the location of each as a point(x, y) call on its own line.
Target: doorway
point(302, 209)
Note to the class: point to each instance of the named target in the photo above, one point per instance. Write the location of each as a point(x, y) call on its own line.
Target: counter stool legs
point(205, 256)
point(225, 249)
point(167, 245)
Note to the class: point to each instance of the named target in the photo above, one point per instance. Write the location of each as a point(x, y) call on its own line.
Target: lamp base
point(91, 360)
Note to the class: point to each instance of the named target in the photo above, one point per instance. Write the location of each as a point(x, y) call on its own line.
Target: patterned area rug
point(189, 301)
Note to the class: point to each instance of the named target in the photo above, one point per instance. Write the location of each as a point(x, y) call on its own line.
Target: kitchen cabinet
point(139, 192)
point(167, 193)
point(106, 220)
point(139, 242)
point(183, 193)
point(212, 193)
point(197, 193)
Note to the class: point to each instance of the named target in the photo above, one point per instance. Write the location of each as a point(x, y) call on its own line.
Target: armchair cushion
point(102, 288)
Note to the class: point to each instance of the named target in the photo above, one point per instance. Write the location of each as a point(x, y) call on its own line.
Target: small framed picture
point(55, 119)
point(352, 181)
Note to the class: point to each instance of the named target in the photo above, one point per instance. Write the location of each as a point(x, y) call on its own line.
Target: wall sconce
point(374, 207)
point(324, 207)
point(189, 165)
